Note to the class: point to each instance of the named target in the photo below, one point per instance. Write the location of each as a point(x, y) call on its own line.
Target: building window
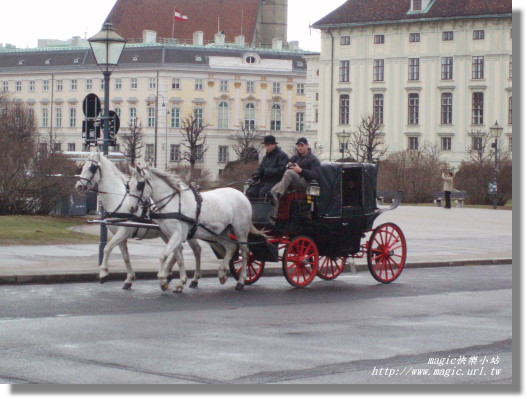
point(57, 147)
point(5, 86)
point(510, 66)
point(58, 114)
point(18, 86)
point(413, 109)
point(31, 85)
point(415, 37)
point(276, 88)
point(378, 70)
point(510, 110)
point(510, 144)
point(250, 117)
point(447, 67)
point(300, 121)
point(378, 108)
point(149, 152)
point(223, 115)
point(344, 72)
point(477, 108)
point(477, 143)
point(175, 117)
point(478, 64)
point(478, 34)
point(176, 85)
point(60, 85)
point(250, 86)
point(413, 143)
point(344, 109)
point(223, 153)
point(71, 146)
point(446, 108)
point(133, 83)
point(74, 84)
point(152, 83)
point(418, 5)
point(89, 84)
point(43, 149)
point(413, 69)
point(151, 117)
point(446, 143)
point(45, 85)
point(448, 35)
point(198, 115)
point(198, 84)
point(224, 85)
point(378, 39)
point(199, 153)
point(102, 84)
point(118, 83)
point(73, 117)
point(276, 117)
point(300, 88)
point(345, 40)
point(133, 116)
point(175, 152)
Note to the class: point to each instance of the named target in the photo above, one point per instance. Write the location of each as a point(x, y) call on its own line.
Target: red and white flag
point(179, 17)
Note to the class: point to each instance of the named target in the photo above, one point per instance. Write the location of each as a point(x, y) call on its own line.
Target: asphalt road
point(349, 331)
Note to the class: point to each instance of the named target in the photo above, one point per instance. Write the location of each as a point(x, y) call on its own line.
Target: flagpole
point(173, 20)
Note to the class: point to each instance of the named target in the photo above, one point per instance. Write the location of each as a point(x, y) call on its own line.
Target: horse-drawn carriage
point(317, 231)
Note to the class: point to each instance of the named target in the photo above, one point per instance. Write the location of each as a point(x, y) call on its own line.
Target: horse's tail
point(254, 230)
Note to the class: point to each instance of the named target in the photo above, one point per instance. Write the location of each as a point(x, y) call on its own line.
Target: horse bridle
point(94, 167)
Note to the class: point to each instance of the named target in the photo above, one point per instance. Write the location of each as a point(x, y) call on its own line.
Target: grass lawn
point(25, 230)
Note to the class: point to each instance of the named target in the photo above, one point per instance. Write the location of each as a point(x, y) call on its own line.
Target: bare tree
point(247, 143)
point(366, 144)
point(194, 139)
point(133, 142)
point(481, 150)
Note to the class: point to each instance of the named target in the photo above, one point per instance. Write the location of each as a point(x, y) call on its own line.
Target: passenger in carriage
point(270, 171)
point(303, 167)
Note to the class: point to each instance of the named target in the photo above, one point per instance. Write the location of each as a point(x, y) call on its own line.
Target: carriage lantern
point(313, 189)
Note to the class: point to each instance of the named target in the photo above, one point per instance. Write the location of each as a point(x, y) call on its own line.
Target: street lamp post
point(107, 47)
point(496, 130)
point(343, 140)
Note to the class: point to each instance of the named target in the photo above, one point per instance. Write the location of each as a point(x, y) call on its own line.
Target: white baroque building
point(432, 71)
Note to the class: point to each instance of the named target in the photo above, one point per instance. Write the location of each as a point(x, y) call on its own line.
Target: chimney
point(149, 36)
point(277, 44)
point(239, 41)
point(294, 45)
point(219, 38)
point(197, 38)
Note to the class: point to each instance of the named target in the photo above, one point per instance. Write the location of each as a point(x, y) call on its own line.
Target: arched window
point(223, 115)
point(276, 117)
point(250, 117)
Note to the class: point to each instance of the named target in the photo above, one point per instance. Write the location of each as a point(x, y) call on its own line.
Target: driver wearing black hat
point(270, 171)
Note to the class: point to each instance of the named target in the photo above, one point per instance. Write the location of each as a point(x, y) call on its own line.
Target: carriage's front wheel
point(255, 268)
point(330, 268)
point(300, 261)
point(386, 252)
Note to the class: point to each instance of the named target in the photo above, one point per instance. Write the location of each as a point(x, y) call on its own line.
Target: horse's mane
point(114, 168)
point(171, 180)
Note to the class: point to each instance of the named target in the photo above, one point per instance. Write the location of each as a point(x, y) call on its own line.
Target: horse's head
point(90, 174)
point(139, 189)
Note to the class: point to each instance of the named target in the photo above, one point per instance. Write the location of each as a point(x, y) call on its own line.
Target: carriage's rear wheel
point(300, 261)
point(386, 252)
point(330, 268)
point(255, 268)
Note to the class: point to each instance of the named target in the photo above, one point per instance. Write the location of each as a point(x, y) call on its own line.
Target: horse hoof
point(223, 279)
point(193, 284)
point(127, 286)
point(164, 287)
point(104, 279)
point(239, 287)
point(178, 290)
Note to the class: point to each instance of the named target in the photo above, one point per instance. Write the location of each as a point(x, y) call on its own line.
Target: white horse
point(100, 172)
point(221, 210)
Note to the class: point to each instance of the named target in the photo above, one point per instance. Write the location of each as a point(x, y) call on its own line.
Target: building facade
point(225, 85)
point(432, 72)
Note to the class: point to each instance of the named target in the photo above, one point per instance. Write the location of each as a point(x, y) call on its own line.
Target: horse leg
point(196, 249)
point(119, 237)
point(230, 249)
point(130, 275)
point(164, 268)
point(178, 256)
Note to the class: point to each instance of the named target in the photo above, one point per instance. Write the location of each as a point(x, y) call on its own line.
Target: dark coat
point(309, 164)
point(272, 167)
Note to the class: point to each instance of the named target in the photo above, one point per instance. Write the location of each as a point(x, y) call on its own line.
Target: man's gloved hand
point(250, 181)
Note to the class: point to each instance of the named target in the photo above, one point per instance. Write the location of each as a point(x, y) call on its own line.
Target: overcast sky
point(26, 21)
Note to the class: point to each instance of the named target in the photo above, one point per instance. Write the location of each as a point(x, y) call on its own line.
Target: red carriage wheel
point(330, 268)
point(255, 268)
point(386, 252)
point(300, 261)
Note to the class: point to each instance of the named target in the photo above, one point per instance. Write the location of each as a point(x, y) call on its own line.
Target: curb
point(271, 271)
